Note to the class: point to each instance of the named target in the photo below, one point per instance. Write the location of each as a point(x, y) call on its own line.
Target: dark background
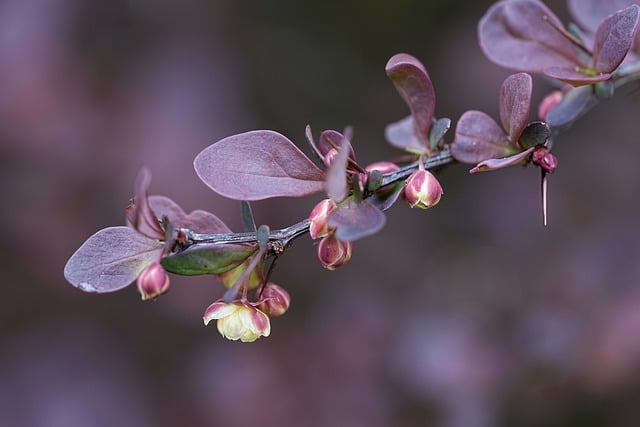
point(471, 314)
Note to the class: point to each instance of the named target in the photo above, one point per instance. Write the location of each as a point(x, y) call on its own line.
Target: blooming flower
point(238, 320)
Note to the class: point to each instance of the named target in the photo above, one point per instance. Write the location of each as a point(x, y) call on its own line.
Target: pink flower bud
point(329, 157)
point(318, 218)
point(238, 320)
point(383, 167)
point(153, 281)
point(543, 158)
point(333, 252)
point(422, 189)
point(548, 102)
point(274, 300)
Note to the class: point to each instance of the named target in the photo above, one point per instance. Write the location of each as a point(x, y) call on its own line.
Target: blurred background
point(471, 314)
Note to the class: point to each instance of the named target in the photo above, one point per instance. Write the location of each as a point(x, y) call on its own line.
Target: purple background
point(471, 314)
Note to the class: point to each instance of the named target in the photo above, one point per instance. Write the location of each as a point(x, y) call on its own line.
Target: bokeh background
point(471, 314)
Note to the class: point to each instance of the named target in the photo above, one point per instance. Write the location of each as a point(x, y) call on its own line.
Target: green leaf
point(207, 258)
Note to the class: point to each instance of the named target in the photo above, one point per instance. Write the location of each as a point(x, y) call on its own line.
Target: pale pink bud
point(238, 320)
point(329, 157)
point(383, 167)
point(333, 252)
point(548, 102)
point(153, 281)
point(422, 189)
point(274, 300)
point(318, 218)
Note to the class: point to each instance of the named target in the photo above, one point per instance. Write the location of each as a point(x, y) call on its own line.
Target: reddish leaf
point(478, 137)
point(590, 13)
point(111, 259)
point(356, 220)
point(414, 85)
point(515, 100)
point(493, 164)
point(519, 34)
point(258, 165)
point(333, 139)
point(614, 38)
point(140, 215)
point(199, 220)
point(573, 77)
point(402, 134)
point(336, 185)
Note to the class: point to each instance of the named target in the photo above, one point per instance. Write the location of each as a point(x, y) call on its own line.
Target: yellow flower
point(238, 321)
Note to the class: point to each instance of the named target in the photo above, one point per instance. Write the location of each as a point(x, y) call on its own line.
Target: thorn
point(543, 177)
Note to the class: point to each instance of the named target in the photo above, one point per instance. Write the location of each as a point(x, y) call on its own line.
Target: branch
point(280, 239)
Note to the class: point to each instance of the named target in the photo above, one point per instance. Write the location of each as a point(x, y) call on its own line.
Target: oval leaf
point(478, 137)
point(572, 104)
point(493, 164)
point(258, 165)
point(614, 38)
point(519, 34)
point(573, 77)
point(354, 220)
point(111, 259)
point(590, 13)
point(515, 100)
point(207, 258)
point(402, 134)
point(414, 85)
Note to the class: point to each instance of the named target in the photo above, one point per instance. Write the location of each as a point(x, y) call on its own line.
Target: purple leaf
point(493, 164)
point(139, 214)
point(438, 129)
point(258, 165)
point(572, 104)
point(333, 139)
point(590, 13)
point(520, 34)
point(336, 185)
point(515, 99)
point(479, 137)
point(356, 220)
point(163, 206)
point(111, 259)
point(614, 38)
point(199, 220)
point(573, 77)
point(402, 134)
point(414, 85)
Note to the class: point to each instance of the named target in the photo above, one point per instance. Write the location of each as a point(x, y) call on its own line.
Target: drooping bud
point(548, 102)
point(230, 277)
point(153, 281)
point(318, 218)
point(333, 252)
point(422, 189)
point(238, 320)
point(543, 158)
point(274, 300)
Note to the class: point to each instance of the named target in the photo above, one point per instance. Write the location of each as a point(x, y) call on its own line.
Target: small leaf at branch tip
point(262, 236)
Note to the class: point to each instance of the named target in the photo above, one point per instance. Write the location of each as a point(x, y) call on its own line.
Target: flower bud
point(329, 157)
point(543, 158)
point(238, 320)
point(153, 281)
point(383, 167)
point(548, 102)
point(422, 189)
point(274, 300)
point(229, 278)
point(333, 252)
point(318, 218)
